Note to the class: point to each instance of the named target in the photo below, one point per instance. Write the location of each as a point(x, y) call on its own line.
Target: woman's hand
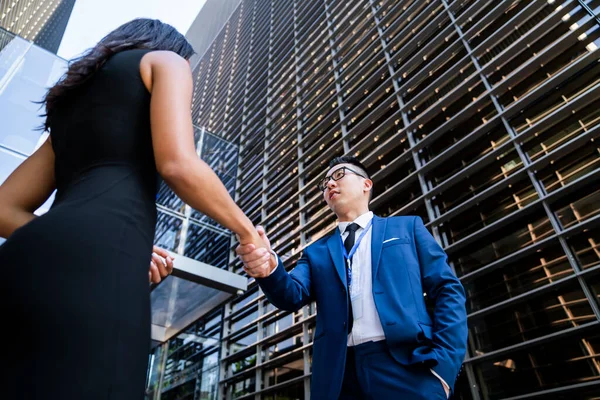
point(161, 265)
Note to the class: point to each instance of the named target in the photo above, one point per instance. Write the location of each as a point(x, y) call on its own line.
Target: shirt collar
point(362, 221)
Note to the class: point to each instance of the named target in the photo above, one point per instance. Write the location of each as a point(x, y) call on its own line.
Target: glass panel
point(26, 73)
point(289, 370)
point(278, 325)
point(501, 43)
point(268, 307)
point(167, 198)
point(209, 380)
point(178, 391)
point(580, 210)
point(243, 387)
point(155, 370)
point(177, 302)
point(242, 364)
point(240, 323)
point(481, 178)
point(208, 246)
point(551, 138)
point(241, 303)
point(555, 100)
point(553, 311)
point(282, 347)
point(566, 361)
point(222, 157)
point(586, 247)
point(502, 243)
point(243, 342)
point(487, 211)
point(292, 392)
point(483, 138)
point(397, 197)
point(191, 365)
point(213, 322)
point(545, 266)
point(168, 231)
point(569, 168)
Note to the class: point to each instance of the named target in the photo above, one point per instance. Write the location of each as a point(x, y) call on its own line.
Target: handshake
point(257, 256)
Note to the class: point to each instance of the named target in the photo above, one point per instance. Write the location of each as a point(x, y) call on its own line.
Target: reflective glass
point(26, 73)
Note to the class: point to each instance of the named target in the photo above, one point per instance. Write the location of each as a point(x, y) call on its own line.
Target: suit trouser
point(372, 373)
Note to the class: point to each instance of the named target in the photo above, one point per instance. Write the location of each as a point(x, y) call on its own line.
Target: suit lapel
point(379, 225)
point(334, 245)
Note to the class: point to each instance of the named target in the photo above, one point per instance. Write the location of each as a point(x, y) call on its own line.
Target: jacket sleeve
point(288, 291)
point(447, 293)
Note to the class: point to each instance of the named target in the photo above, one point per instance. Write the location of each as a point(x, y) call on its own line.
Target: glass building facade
point(41, 21)
point(482, 117)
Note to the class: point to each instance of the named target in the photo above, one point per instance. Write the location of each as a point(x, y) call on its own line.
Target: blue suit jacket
point(403, 270)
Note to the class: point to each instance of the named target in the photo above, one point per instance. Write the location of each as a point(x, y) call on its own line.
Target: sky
point(91, 20)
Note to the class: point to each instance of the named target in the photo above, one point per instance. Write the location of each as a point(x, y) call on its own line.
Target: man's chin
point(337, 209)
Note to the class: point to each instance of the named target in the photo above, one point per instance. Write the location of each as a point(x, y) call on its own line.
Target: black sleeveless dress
point(74, 287)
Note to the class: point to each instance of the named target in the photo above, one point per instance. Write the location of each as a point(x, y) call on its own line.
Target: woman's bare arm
point(26, 189)
point(169, 79)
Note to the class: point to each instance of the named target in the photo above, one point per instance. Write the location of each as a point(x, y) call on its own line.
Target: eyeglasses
point(336, 176)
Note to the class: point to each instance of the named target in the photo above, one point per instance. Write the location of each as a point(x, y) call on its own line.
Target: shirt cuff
point(276, 258)
point(441, 380)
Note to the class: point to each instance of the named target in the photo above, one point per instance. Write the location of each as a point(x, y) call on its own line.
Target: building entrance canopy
point(194, 289)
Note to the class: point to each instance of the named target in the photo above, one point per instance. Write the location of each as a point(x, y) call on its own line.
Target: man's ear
point(368, 185)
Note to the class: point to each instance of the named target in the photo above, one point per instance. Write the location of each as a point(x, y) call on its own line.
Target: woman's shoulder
point(165, 58)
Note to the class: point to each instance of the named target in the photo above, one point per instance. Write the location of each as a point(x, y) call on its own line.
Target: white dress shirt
point(367, 325)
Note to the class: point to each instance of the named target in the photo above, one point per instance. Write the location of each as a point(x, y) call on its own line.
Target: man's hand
point(161, 265)
point(443, 382)
point(258, 262)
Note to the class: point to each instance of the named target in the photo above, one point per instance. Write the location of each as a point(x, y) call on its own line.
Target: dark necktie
point(348, 244)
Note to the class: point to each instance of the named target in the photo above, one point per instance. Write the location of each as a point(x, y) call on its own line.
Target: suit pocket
point(396, 242)
point(427, 331)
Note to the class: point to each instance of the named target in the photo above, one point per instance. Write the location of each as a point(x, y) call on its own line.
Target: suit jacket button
point(344, 324)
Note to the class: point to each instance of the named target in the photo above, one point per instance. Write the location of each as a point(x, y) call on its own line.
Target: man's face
point(349, 192)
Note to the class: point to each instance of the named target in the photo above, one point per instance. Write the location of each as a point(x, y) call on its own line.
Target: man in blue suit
point(374, 338)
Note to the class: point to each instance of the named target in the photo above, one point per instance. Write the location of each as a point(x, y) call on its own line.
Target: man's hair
point(349, 160)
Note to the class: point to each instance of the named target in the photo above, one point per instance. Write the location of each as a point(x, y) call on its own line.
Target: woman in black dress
point(74, 290)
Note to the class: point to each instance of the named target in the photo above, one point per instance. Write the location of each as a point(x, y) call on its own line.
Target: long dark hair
point(140, 33)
